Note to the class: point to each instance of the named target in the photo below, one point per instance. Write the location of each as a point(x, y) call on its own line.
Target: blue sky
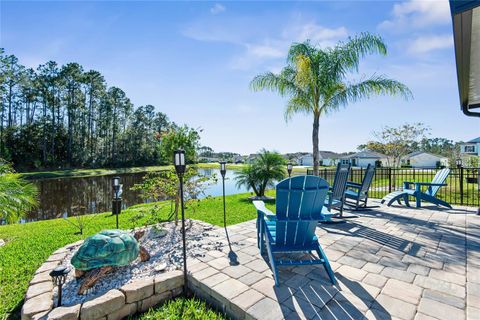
point(194, 61)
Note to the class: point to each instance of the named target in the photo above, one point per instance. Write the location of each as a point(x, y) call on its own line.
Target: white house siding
point(425, 160)
point(307, 160)
point(328, 162)
point(364, 162)
point(470, 148)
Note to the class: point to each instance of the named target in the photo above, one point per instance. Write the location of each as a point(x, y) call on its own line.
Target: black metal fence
point(462, 188)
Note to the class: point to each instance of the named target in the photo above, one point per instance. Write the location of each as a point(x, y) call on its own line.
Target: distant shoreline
point(82, 173)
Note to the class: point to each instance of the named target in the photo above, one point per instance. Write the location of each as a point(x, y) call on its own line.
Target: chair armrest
point(261, 209)
point(353, 185)
point(406, 184)
point(431, 184)
point(329, 198)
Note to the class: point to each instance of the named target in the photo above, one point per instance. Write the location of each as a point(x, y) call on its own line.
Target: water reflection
point(70, 196)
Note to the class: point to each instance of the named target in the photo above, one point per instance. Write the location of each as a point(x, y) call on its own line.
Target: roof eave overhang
point(466, 31)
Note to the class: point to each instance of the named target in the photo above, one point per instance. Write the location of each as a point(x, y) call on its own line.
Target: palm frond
point(300, 103)
point(347, 54)
point(274, 82)
point(17, 197)
point(301, 49)
point(374, 86)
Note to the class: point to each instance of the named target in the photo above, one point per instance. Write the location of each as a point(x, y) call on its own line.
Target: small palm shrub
point(267, 168)
point(17, 196)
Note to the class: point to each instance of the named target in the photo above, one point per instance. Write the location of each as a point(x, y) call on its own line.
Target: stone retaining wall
point(137, 296)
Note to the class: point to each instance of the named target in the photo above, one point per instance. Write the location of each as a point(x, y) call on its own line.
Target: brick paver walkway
point(391, 263)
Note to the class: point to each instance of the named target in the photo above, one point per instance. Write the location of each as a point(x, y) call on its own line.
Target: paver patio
point(391, 263)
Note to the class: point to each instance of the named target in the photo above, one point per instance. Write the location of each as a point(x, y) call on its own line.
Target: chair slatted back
point(298, 208)
point(367, 179)
point(340, 182)
point(440, 177)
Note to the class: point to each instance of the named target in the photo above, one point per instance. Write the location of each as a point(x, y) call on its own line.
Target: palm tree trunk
point(316, 124)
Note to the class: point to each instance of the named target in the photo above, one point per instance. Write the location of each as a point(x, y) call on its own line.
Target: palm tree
point(262, 173)
point(315, 80)
point(17, 197)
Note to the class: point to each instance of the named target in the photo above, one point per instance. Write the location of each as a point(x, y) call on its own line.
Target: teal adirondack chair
point(428, 195)
point(299, 205)
point(336, 195)
point(357, 193)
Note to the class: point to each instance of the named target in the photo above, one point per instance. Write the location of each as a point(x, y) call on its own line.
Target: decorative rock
point(38, 304)
point(92, 278)
point(144, 255)
point(79, 273)
point(138, 290)
point(65, 313)
point(161, 267)
point(38, 289)
point(139, 234)
point(106, 248)
point(111, 301)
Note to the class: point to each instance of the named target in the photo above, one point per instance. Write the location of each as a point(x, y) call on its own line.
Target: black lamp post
point(180, 166)
point(458, 162)
point(59, 276)
point(231, 255)
point(289, 169)
point(117, 199)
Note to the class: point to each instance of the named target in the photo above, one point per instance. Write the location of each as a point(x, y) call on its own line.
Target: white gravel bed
point(164, 243)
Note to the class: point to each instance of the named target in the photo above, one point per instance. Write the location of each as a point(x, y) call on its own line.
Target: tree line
point(65, 116)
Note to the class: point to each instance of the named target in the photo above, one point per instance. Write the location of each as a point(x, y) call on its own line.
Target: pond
point(66, 197)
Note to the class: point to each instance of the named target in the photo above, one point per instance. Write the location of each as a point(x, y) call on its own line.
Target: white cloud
point(317, 34)
point(417, 14)
point(259, 48)
point(426, 44)
point(217, 8)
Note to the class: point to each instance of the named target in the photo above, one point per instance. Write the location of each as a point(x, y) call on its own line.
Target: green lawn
point(182, 309)
point(29, 245)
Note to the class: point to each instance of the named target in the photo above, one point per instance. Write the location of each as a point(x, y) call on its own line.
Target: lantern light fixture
point(59, 277)
point(289, 169)
point(232, 256)
point(458, 162)
point(180, 166)
point(179, 161)
point(223, 168)
point(117, 199)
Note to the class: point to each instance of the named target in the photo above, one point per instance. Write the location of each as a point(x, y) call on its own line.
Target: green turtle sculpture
point(105, 250)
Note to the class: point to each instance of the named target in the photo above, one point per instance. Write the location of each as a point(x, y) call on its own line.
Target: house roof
point(328, 155)
point(476, 140)
point(324, 155)
point(415, 153)
point(365, 155)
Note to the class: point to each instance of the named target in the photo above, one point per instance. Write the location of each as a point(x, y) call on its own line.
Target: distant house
point(421, 159)
point(238, 159)
point(471, 148)
point(251, 158)
point(327, 158)
point(364, 158)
